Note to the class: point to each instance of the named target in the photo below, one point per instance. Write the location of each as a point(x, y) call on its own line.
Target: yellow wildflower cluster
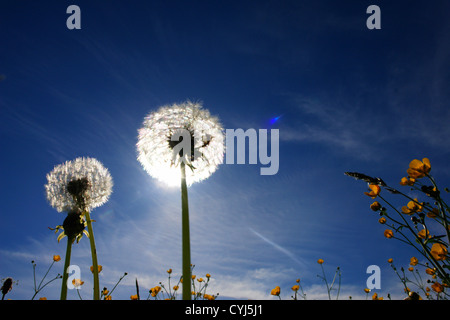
point(199, 286)
point(414, 222)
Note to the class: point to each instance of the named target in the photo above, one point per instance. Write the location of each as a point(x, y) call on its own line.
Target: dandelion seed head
point(82, 176)
point(155, 145)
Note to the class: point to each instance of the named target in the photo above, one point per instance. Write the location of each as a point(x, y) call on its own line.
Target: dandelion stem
point(185, 236)
point(66, 269)
point(94, 256)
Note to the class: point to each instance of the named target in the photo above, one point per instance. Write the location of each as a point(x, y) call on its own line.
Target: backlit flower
point(134, 297)
point(100, 268)
point(159, 137)
point(439, 251)
point(437, 287)
point(56, 258)
point(320, 261)
point(295, 287)
point(412, 207)
point(382, 220)
point(423, 234)
point(81, 182)
point(276, 291)
point(374, 191)
point(375, 206)
point(413, 261)
point(407, 182)
point(388, 233)
point(155, 290)
point(77, 283)
point(419, 169)
point(433, 213)
point(430, 271)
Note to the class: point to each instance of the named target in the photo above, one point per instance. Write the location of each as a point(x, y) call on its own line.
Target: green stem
point(186, 247)
point(65, 270)
point(326, 282)
point(94, 256)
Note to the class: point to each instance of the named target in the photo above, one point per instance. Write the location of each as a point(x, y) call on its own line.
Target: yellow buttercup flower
point(423, 234)
point(382, 220)
point(134, 297)
point(412, 207)
point(56, 258)
point(276, 291)
point(439, 251)
point(295, 288)
point(208, 275)
point(388, 233)
point(407, 182)
point(77, 282)
point(390, 260)
point(208, 297)
point(108, 297)
point(419, 169)
point(375, 206)
point(320, 261)
point(374, 191)
point(169, 271)
point(413, 261)
point(176, 288)
point(437, 287)
point(366, 290)
point(430, 271)
point(154, 291)
point(100, 268)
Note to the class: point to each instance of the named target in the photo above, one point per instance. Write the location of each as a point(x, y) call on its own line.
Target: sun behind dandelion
point(155, 145)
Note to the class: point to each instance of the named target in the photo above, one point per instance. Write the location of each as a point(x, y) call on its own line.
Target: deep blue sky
point(352, 99)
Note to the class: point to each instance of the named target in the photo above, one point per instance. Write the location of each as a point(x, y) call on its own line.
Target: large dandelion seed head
point(156, 146)
point(81, 182)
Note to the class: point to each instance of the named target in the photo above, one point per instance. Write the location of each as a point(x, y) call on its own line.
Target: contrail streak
point(278, 247)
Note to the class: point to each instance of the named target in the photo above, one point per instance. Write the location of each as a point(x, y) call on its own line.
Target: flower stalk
point(186, 246)
point(94, 256)
point(66, 268)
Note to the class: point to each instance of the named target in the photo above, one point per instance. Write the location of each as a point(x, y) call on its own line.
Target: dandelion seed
point(159, 152)
point(156, 144)
point(83, 178)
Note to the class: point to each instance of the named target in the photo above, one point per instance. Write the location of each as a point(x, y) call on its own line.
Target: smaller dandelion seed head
point(83, 181)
